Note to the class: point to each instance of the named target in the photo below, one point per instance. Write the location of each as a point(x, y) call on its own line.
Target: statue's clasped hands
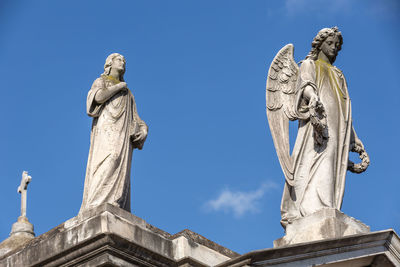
point(122, 86)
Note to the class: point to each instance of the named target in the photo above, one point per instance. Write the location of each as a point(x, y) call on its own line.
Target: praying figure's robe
point(115, 123)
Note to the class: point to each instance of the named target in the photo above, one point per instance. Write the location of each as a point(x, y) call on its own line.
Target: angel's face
point(330, 47)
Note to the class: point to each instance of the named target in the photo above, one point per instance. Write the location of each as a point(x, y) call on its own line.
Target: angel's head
point(328, 41)
point(115, 61)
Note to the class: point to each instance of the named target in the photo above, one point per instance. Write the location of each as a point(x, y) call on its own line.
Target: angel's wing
point(280, 95)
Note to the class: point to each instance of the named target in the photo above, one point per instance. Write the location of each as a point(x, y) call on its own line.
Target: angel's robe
point(110, 155)
point(319, 170)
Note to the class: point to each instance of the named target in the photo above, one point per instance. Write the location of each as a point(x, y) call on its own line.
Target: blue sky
point(197, 70)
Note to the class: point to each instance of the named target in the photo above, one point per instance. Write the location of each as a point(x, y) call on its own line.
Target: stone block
point(323, 224)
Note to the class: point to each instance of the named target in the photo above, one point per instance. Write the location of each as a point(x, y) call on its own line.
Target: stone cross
point(22, 188)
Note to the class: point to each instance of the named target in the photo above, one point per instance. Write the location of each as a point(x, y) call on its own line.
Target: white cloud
point(239, 202)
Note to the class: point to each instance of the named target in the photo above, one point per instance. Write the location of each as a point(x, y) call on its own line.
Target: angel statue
point(116, 130)
point(316, 95)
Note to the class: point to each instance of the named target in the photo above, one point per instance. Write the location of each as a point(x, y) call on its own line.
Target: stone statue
point(116, 131)
point(316, 95)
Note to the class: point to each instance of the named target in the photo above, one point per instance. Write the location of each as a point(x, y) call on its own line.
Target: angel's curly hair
point(320, 38)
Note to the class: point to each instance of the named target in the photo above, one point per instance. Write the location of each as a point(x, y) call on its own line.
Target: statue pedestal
point(323, 224)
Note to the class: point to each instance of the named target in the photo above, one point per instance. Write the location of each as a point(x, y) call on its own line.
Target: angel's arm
point(307, 92)
point(307, 79)
point(308, 103)
point(357, 146)
point(354, 140)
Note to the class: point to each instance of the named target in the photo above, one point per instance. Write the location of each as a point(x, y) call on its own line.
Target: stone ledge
point(372, 249)
point(110, 233)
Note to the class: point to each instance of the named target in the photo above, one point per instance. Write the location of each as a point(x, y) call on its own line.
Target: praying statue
point(116, 130)
point(316, 95)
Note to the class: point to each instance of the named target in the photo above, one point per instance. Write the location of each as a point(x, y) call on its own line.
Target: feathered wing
point(280, 96)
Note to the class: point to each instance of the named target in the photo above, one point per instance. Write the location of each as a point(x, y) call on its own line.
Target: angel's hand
point(358, 147)
point(358, 143)
point(316, 104)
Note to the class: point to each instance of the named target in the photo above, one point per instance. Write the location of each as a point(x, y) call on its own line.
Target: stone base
point(23, 228)
point(376, 249)
point(110, 236)
point(21, 233)
point(323, 224)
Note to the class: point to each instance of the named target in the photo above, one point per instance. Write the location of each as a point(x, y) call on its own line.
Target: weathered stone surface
point(116, 130)
point(323, 224)
point(13, 242)
point(22, 230)
point(376, 249)
point(111, 236)
point(316, 94)
point(186, 244)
